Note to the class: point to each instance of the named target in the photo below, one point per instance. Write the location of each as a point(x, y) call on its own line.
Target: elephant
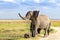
point(38, 22)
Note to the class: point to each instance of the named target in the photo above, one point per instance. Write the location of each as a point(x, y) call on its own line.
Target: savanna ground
point(15, 29)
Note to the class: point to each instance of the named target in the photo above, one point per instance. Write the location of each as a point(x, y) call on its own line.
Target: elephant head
point(29, 15)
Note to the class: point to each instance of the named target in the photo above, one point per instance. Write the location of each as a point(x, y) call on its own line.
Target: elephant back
point(43, 20)
point(43, 17)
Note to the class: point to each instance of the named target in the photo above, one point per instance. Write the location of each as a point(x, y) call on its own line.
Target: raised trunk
point(21, 16)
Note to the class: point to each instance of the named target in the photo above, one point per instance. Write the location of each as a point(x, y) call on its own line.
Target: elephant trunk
point(22, 17)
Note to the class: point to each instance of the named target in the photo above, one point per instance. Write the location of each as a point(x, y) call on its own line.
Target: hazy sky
point(9, 9)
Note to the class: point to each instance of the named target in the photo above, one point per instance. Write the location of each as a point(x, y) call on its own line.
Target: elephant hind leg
point(38, 30)
point(48, 31)
point(49, 28)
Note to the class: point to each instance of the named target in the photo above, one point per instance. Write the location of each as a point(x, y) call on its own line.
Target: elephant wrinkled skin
point(38, 22)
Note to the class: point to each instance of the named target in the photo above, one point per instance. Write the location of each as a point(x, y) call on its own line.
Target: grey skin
point(38, 22)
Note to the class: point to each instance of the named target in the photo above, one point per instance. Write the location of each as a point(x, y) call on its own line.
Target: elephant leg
point(38, 30)
point(33, 31)
point(49, 28)
point(46, 33)
point(31, 27)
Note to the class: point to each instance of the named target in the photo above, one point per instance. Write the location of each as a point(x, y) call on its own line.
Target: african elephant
point(38, 22)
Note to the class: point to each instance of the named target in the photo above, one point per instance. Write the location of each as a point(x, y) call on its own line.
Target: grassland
point(55, 23)
point(15, 29)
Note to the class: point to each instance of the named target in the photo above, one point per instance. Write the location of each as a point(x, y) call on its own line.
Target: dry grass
point(55, 23)
point(15, 30)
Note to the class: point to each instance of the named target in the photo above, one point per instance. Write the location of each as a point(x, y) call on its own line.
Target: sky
point(9, 9)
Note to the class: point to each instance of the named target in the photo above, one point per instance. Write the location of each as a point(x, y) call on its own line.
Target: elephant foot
point(38, 30)
point(33, 34)
point(45, 36)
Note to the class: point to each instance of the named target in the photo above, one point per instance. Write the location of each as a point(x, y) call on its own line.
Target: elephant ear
point(35, 14)
point(29, 14)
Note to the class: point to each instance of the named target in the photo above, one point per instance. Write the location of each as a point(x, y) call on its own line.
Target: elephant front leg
point(33, 31)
